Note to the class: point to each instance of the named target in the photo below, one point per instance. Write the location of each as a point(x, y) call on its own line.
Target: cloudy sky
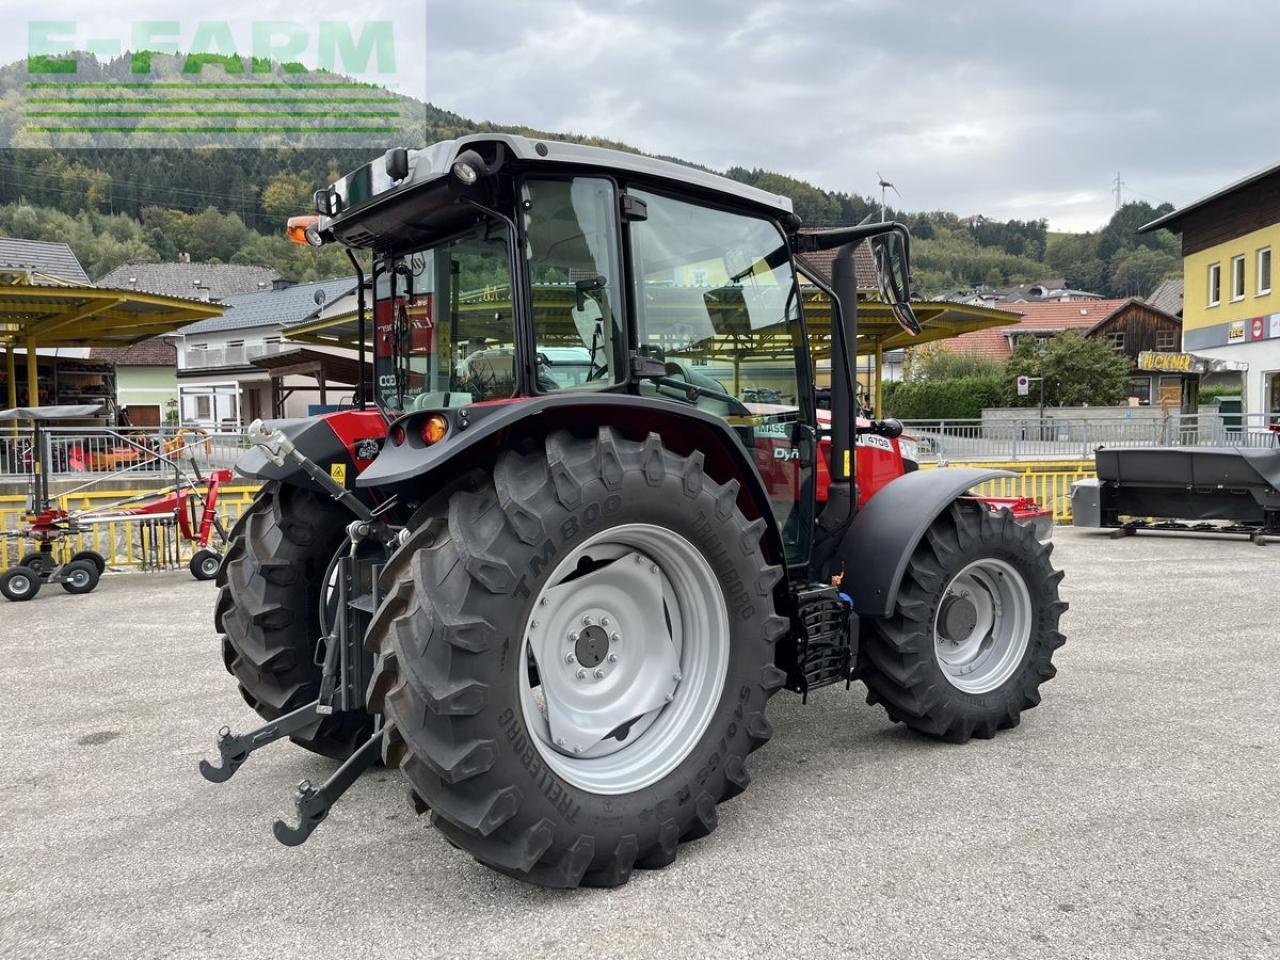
point(1011, 109)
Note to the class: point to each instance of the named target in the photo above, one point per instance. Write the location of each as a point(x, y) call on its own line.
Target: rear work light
point(397, 436)
point(434, 428)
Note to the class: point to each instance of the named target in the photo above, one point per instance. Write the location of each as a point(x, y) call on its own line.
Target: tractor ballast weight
point(596, 521)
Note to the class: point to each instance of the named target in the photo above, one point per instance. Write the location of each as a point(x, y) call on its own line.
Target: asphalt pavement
point(1133, 814)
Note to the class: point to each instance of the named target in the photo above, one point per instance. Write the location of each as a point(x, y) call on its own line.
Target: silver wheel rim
point(984, 656)
point(209, 565)
point(20, 585)
point(630, 641)
point(79, 578)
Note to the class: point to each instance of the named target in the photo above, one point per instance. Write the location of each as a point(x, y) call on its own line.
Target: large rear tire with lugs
point(268, 609)
point(974, 630)
point(574, 658)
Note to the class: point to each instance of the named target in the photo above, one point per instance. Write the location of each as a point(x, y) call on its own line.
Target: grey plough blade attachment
point(345, 667)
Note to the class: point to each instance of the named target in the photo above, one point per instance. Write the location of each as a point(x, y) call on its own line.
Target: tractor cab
point(505, 269)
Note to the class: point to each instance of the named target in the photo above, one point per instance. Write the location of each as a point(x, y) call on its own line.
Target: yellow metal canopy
point(733, 339)
point(38, 312)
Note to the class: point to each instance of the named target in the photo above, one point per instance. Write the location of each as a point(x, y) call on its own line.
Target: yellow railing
point(118, 541)
point(1047, 481)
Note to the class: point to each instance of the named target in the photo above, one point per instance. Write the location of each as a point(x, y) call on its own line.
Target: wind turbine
point(885, 185)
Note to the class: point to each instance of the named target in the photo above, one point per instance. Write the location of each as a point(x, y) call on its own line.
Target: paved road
point(1132, 815)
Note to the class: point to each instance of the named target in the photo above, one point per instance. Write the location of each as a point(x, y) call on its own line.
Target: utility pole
point(1116, 189)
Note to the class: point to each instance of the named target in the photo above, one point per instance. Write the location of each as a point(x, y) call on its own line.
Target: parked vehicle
point(561, 611)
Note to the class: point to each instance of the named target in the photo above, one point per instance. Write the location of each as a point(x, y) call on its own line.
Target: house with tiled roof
point(219, 384)
point(146, 381)
point(1168, 296)
point(1130, 325)
point(44, 262)
point(199, 281)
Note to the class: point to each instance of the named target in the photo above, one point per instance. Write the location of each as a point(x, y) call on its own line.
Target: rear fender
point(887, 530)
point(413, 470)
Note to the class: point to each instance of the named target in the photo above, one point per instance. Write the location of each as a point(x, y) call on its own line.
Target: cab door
point(717, 302)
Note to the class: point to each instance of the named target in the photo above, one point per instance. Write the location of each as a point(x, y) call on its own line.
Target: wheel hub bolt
point(613, 658)
point(573, 637)
point(577, 748)
point(615, 638)
point(559, 741)
point(570, 658)
point(582, 674)
point(586, 621)
point(599, 674)
point(654, 568)
point(604, 621)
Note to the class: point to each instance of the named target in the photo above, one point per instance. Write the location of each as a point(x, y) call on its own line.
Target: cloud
point(1006, 108)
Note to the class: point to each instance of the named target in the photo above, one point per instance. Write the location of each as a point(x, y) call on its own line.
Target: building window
point(1264, 271)
point(1215, 284)
point(1237, 277)
point(1117, 341)
point(1166, 341)
point(204, 409)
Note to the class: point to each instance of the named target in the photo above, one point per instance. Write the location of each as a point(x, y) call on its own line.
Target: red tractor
point(556, 573)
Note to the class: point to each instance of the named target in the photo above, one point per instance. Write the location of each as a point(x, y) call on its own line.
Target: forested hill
point(230, 204)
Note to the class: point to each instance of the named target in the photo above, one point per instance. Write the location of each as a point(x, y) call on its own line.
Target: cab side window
point(575, 275)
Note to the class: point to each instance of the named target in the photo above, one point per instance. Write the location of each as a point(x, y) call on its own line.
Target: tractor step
point(826, 648)
point(314, 803)
point(235, 748)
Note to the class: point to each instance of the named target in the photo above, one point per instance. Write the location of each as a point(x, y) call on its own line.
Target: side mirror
point(893, 271)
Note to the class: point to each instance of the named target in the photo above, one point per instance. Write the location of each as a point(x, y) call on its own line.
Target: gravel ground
point(1132, 815)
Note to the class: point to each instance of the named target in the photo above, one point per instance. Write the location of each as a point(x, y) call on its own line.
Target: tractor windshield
point(444, 333)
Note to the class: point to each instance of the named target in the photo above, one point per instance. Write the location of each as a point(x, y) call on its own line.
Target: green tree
point(286, 195)
point(1135, 273)
point(1077, 370)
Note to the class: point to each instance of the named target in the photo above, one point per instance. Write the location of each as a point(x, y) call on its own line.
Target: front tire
point(19, 584)
point(268, 610)
point(974, 629)
point(545, 560)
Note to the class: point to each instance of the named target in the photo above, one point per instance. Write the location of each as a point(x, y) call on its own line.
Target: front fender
point(886, 531)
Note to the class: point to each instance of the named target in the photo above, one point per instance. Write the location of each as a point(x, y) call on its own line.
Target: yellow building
point(1231, 300)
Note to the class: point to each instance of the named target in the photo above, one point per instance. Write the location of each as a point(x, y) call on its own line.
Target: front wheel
point(574, 658)
point(204, 564)
point(974, 630)
point(19, 584)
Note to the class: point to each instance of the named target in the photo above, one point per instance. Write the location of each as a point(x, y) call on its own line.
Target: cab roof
point(434, 162)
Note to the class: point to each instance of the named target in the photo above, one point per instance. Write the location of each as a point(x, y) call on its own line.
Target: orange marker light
point(434, 428)
point(296, 230)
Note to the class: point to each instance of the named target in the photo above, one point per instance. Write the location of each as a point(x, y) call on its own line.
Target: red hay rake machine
point(186, 508)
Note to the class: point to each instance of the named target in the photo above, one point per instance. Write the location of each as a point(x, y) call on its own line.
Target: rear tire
point(457, 638)
point(953, 671)
point(268, 610)
point(19, 584)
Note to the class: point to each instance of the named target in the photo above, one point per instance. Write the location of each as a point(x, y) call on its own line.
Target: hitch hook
point(314, 803)
point(234, 749)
